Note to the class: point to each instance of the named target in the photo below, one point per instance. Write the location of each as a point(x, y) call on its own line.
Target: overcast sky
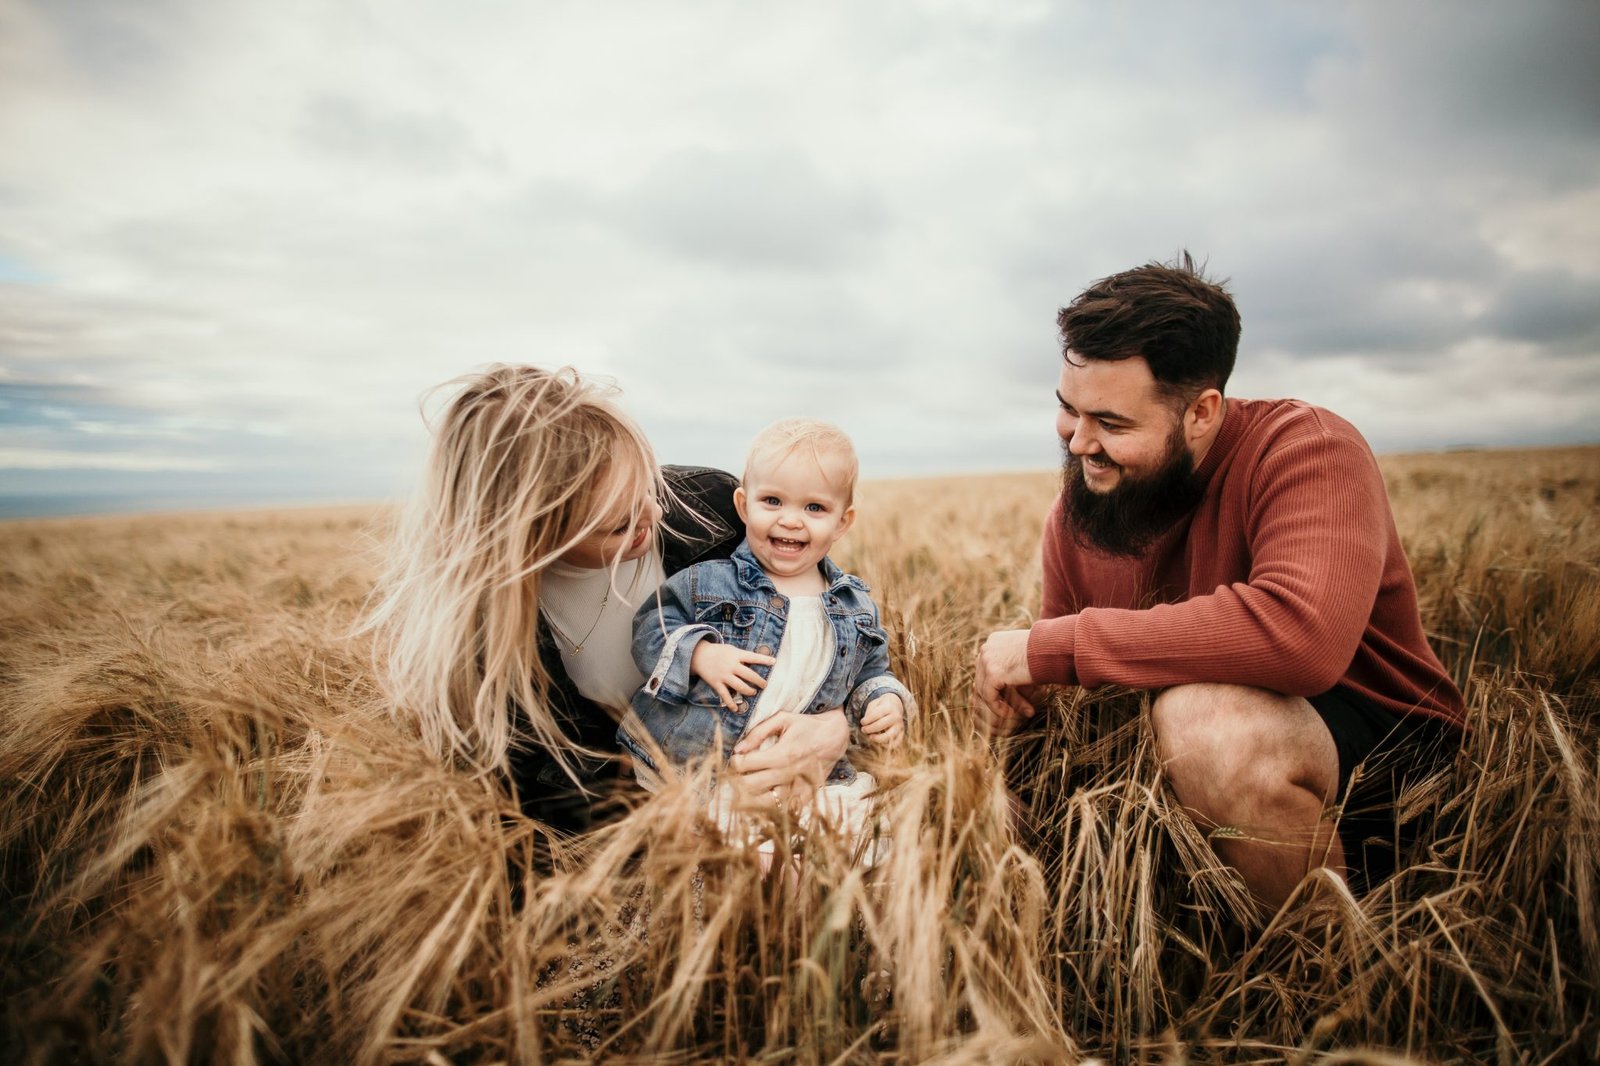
point(238, 240)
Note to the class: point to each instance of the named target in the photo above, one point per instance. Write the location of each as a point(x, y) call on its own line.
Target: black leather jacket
point(700, 524)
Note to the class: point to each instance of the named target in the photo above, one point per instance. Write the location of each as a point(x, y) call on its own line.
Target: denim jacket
point(734, 601)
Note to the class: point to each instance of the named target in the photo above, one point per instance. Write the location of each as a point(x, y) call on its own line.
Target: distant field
point(217, 846)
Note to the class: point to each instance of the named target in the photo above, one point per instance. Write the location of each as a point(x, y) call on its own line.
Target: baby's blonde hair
point(525, 464)
point(788, 435)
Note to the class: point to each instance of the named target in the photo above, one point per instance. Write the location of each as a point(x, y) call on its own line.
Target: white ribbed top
point(570, 597)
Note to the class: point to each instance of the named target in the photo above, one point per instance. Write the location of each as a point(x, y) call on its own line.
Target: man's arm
point(1317, 529)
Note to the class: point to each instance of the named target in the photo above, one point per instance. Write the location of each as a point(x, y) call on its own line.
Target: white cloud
point(43, 459)
point(287, 220)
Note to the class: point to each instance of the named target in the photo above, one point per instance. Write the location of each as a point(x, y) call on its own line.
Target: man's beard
point(1129, 518)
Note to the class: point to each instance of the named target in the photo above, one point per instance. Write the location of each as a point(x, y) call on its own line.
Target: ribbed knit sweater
point(1287, 576)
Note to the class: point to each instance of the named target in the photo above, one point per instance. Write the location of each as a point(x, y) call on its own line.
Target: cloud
point(1552, 308)
point(341, 125)
point(258, 232)
point(1464, 88)
point(117, 44)
point(750, 210)
point(46, 459)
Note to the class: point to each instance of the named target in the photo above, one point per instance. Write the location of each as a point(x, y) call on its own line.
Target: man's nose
point(1082, 442)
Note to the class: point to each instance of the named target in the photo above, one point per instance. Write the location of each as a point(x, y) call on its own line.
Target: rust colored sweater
point(1287, 576)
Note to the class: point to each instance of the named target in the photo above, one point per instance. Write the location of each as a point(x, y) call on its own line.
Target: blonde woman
point(505, 618)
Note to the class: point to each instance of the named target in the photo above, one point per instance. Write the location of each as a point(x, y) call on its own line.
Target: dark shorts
point(1380, 754)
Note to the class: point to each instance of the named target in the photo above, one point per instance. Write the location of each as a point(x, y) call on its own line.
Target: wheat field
point(217, 846)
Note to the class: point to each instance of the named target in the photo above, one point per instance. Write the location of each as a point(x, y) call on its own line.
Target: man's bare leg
point(1258, 763)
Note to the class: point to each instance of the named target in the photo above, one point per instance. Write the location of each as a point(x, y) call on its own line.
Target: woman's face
point(621, 536)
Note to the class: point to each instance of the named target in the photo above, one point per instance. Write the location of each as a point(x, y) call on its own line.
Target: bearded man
point(1239, 559)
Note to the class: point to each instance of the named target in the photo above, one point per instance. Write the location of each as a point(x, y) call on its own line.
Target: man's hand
point(884, 722)
point(1002, 671)
point(727, 670)
point(805, 749)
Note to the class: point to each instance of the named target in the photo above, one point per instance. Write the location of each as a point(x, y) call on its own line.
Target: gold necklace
point(577, 646)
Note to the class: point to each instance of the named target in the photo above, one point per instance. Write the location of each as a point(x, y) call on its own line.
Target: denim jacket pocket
point(693, 733)
point(733, 622)
point(871, 640)
point(731, 619)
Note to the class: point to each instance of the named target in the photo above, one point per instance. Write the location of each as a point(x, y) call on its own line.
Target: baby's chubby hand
point(727, 670)
point(885, 720)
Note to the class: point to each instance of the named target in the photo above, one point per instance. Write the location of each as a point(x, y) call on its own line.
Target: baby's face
point(795, 509)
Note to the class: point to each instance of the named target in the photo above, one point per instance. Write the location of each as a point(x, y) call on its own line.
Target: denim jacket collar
point(752, 576)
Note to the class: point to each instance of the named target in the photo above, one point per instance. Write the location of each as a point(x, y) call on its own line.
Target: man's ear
point(739, 501)
point(1203, 414)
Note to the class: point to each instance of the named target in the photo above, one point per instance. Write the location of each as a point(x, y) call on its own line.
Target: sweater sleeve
point(1316, 529)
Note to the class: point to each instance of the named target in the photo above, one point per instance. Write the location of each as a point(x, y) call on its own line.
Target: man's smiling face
point(1116, 421)
point(1128, 470)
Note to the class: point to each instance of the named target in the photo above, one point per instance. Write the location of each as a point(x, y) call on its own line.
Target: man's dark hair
point(1183, 324)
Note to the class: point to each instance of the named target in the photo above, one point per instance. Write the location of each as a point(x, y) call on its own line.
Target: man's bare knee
point(1219, 742)
point(1232, 751)
point(1186, 717)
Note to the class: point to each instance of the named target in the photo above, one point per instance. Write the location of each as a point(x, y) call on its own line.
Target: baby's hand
point(885, 720)
point(727, 670)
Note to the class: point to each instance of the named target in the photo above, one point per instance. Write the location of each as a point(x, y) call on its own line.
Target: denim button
point(655, 683)
point(765, 649)
point(777, 603)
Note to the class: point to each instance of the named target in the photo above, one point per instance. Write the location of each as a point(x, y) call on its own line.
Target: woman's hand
point(805, 749)
point(727, 670)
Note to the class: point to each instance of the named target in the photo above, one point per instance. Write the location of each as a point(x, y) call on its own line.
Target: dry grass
point(217, 847)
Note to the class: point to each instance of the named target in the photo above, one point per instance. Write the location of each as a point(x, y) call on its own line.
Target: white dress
point(805, 655)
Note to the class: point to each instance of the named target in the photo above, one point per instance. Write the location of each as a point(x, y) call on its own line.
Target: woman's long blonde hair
point(525, 464)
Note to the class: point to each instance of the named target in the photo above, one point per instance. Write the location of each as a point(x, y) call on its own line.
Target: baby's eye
point(815, 508)
point(770, 501)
